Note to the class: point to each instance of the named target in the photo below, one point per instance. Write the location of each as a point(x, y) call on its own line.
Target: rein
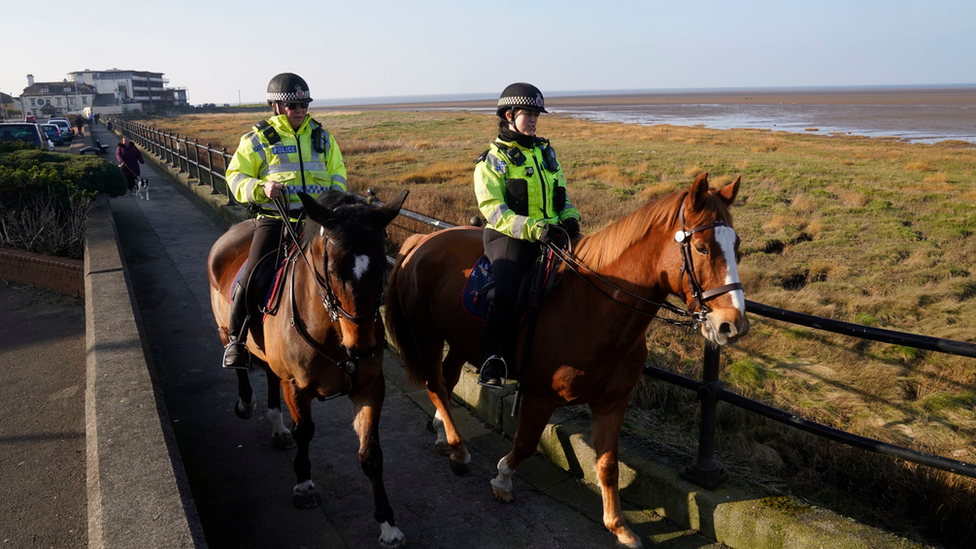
point(682, 237)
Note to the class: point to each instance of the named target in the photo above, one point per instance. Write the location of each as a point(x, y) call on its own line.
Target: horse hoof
point(283, 441)
point(443, 448)
point(306, 500)
point(502, 495)
point(633, 543)
point(245, 411)
point(460, 469)
point(391, 536)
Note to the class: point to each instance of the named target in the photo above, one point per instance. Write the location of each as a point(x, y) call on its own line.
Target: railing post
point(223, 157)
point(705, 471)
point(210, 164)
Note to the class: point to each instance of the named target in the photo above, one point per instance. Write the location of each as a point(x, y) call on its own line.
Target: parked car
point(53, 133)
point(25, 131)
point(29, 118)
point(64, 126)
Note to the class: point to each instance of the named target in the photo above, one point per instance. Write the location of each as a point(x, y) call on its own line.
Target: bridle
point(683, 237)
point(700, 309)
point(331, 304)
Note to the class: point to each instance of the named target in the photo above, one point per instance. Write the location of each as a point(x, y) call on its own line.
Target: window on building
point(59, 101)
point(32, 103)
point(45, 90)
point(84, 100)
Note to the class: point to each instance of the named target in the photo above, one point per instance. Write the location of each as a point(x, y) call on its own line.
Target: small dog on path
point(142, 188)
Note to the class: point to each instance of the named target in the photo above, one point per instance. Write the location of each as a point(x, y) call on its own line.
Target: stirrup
point(490, 376)
point(236, 356)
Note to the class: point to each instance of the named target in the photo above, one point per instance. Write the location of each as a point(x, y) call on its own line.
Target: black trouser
point(266, 237)
point(510, 259)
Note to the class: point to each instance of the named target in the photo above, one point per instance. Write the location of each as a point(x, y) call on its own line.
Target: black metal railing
point(704, 471)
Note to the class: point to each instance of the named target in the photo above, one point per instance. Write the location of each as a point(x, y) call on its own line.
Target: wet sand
point(919, 114)
point(847, 96)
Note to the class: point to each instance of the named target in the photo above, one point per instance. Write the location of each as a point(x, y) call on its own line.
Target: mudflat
point(950, 95)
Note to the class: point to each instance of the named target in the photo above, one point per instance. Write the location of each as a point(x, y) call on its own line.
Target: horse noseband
point(351, 364)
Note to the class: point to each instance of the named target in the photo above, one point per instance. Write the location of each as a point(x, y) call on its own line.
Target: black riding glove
point(554, 235)
point(571, 225)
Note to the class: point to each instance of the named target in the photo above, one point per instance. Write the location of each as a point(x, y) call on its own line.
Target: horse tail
point(397, 323)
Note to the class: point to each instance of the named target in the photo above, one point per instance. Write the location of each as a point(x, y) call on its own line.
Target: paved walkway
point(42, 434)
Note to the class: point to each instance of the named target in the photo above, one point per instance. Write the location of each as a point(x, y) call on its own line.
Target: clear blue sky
point(222, 51)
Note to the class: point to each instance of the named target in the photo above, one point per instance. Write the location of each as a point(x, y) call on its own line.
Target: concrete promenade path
point(241, 486)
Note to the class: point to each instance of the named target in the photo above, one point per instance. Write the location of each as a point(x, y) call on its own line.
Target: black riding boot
point(497, 336)
point(236, 356)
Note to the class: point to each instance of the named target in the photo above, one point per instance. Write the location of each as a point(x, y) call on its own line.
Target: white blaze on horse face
point(362, 263)
point(725, 236)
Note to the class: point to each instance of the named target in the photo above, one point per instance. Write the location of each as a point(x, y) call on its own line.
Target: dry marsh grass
point(871, 231)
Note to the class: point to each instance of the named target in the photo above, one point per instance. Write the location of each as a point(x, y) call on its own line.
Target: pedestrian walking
point(129, 157)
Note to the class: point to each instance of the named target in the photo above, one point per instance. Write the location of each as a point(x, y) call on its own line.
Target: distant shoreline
point(947, 95)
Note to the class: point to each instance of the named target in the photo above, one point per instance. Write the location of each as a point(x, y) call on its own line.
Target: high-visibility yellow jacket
point(273, 151)
point(521, 189)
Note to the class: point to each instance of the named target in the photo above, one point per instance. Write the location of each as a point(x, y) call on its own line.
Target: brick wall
point(43, 271)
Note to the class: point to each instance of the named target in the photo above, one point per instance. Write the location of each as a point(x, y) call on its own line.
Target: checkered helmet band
point(522, 101)
point(297, 95)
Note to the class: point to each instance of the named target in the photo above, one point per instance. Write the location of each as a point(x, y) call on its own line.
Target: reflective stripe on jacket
point(518, 193)
point(291, 161)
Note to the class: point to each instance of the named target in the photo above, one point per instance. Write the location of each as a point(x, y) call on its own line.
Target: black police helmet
point(521, 96)
point(288, 87)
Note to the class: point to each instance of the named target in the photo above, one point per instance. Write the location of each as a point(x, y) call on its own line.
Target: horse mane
point(605, 246)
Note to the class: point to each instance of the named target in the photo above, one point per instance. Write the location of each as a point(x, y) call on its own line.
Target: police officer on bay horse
point(285, 154)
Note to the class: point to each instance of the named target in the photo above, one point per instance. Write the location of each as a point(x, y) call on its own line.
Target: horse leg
point(281, 438)
point(449, 440)
point(606, 423)
point(245, 403)
point(304, 495)
point(533, 418)
point(367, 407)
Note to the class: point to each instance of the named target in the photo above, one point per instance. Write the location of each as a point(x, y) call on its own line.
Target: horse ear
point(313, 209)
point(729, 192)
point(388, 212)
point(699, 188)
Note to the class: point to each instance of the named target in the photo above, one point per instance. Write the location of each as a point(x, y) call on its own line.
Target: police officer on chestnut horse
point(521, 192)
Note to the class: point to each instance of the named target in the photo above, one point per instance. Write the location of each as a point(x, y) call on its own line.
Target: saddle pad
point(474, 297)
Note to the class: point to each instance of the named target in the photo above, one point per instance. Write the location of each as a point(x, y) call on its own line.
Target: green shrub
point(87, 173)
point(45, 198)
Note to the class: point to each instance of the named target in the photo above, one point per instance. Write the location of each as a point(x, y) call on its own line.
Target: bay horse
point(590, 343)
point(327, 337)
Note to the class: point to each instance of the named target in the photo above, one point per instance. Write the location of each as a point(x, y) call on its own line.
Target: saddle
point(536, 285)
point(267, 278)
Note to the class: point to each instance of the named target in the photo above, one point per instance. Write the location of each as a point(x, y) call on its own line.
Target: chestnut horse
point(326, 337)
point(590, 333)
